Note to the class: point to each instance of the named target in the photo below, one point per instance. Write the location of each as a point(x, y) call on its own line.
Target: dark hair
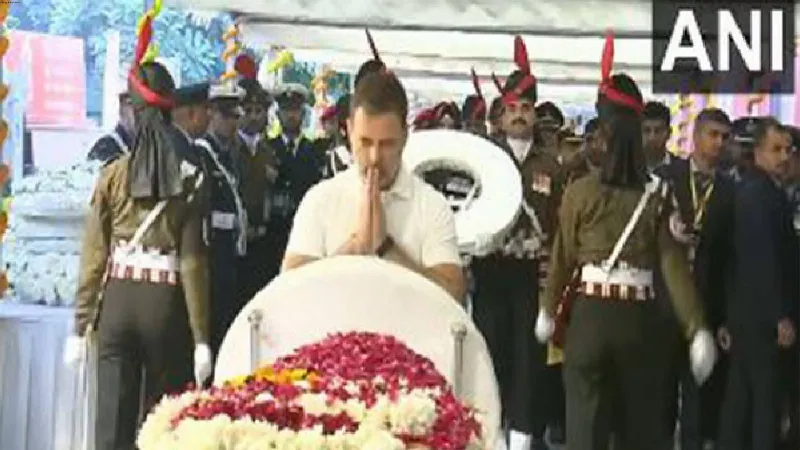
point(154, 167)
point(368, 67)
point(496, 108)
point(624, 165)
point(380, 93)
point(591, 126)
point(657, 111)
point(762, 129)
point(550, 109)
point(714, 115)
point(449, 109)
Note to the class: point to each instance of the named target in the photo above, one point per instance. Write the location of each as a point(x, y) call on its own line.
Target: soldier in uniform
point(258, 172)
point(190, 115)
point(610, 239)
point(226, 224)
point(549, 120)
point(300, 163)
point(143, 255)
point(119, 141)
point(473, 111)
point(507, 281)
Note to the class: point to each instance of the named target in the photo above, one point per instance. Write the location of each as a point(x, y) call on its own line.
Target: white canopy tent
point(436, 42)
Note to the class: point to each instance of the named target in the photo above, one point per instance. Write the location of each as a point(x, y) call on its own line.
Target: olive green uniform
point(147, 318)
point(258, 171)
point(612, 344)
point(506, 297)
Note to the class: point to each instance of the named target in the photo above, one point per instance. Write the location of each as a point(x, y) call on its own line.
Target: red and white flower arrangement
point(353, 391)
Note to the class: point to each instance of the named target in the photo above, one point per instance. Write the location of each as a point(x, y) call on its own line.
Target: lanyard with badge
point(699, 204)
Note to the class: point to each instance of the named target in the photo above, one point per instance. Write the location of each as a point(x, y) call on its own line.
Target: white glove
point(202, 363)
point(703, 355)
point(545, 326)
point(678, 229)
point(75, 351)
point(484, 244)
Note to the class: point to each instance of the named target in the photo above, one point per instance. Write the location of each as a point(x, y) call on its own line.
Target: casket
point(482, 219)
point(350, 293)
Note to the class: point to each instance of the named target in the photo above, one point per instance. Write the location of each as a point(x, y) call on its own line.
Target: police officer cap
point(193, 94)
point(291, 94)
point(743, 128)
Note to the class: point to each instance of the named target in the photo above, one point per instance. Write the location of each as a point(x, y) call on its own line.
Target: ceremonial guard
point(473, 112)
point(339, 156)
point(226, 226)
point(258, 172)
point(609, 241)
point(446, 116)
point(143, 273)
point(701, 219)
point(119, 141)
point(507, 281)
point(494, 117)
point(300, 164)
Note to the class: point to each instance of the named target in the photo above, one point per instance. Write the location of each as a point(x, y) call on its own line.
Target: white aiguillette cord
point(650, 188)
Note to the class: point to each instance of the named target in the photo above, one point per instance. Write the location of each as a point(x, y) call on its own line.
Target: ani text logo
point(723, 47)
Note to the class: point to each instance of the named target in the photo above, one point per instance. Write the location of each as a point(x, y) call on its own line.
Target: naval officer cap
point(193, 94)
point(226, 98)
point(291, 95)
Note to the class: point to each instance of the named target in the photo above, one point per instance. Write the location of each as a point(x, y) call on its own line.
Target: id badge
point(222, 220)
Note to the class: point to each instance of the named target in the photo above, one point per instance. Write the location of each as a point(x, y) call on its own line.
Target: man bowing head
point(377, 207)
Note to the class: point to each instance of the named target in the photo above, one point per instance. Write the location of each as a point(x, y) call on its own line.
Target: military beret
point(193, 94)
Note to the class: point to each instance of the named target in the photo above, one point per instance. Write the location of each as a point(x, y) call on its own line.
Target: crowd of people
point(637, 293)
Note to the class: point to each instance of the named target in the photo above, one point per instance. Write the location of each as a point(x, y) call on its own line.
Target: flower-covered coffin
point(346, 294)
point(350, 391)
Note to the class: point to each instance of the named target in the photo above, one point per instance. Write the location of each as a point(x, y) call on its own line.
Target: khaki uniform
point(611, 338)
point(506, 297)
point(154, 299)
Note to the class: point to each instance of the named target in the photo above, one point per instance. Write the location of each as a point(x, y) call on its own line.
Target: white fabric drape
point(42, 406)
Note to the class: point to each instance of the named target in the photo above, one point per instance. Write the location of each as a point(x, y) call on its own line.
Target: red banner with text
point(56, 77)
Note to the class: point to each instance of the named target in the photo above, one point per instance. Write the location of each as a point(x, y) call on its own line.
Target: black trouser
point(751, 407)
point(143, 330)
point(226, 302)
point(504, 307)
point(255, 268)
point(611, 367)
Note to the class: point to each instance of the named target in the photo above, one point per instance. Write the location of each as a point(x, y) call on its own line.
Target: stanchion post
point(459, 333)
point(255, 318)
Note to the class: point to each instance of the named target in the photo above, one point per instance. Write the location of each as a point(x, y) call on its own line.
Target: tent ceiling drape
point(443, 39)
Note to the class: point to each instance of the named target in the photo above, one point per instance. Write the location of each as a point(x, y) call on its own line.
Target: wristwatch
point(385, 246)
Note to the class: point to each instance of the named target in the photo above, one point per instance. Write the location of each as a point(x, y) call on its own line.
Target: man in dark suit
point(762, 310)
point(701, 218)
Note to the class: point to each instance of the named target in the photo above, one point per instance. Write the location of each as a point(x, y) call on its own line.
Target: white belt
point(624, 276)
point(140, 264)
